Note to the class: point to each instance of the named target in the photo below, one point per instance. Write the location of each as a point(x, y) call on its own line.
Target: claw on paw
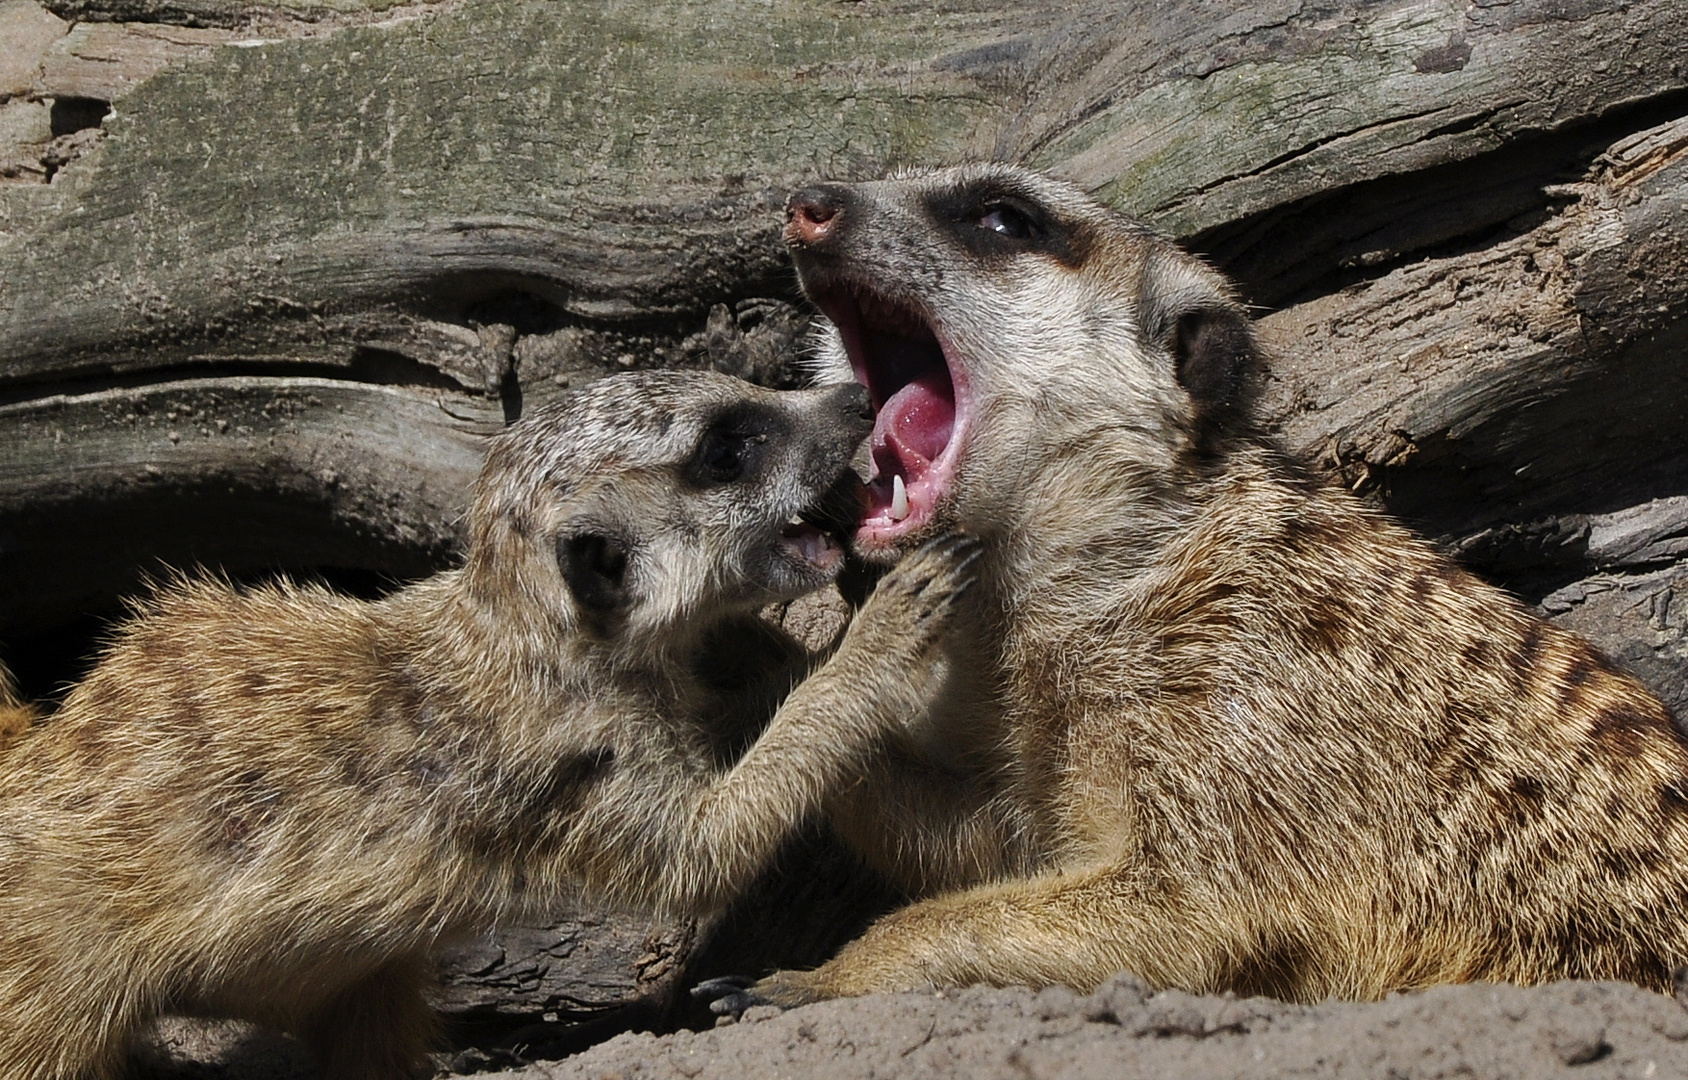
point(728, 995)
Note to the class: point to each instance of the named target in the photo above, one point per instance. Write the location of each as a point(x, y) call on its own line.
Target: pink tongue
point(914, 427)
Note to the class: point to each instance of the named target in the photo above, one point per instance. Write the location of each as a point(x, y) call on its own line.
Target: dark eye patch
point(994, 222)
point(989, 218)
point(733, 447)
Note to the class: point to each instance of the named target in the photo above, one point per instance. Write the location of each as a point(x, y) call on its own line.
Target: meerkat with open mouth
point(1206, 718)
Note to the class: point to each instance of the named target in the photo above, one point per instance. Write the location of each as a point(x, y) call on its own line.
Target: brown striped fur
point(272, 803)
point(1207, 719)
point(16, 715)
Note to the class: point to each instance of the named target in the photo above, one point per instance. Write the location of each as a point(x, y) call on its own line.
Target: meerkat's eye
point(722, 457)
point(994, 223)
point(727, 452)
point(1004, 219)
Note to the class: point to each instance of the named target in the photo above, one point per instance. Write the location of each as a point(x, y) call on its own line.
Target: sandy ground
point(1586, 1030)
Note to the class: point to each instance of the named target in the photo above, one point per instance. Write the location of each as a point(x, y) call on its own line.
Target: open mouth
point(816, 534)
point(919, 413)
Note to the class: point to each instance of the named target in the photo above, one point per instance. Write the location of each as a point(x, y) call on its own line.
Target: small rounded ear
point(1216, 362)
point(595, 567)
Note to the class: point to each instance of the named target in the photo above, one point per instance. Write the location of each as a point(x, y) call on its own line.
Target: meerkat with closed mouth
point(272, 803)
point(1207, 718)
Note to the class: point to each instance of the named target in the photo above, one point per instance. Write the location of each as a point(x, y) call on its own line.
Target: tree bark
point(419, 209)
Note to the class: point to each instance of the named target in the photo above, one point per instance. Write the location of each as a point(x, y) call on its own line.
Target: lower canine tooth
point(899, 499)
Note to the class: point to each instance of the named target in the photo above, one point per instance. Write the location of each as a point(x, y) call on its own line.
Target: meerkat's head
point(1005, 324)
point(648, 503)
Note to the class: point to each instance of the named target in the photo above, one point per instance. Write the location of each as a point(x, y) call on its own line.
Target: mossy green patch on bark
point(616, 122)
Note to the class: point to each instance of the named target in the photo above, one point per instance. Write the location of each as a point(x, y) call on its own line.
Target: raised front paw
point(731, 995)
point(915, 602)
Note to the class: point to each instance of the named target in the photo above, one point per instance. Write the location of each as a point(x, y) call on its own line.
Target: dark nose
point(853, 403)
point(814, 215)
point(853, 400)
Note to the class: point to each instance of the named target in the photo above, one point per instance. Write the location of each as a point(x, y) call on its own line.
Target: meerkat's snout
point(814, 536)
point(814, 214)
point(895, 349)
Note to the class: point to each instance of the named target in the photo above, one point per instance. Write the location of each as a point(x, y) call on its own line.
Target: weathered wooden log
point(1511, 398)
point(421, 204)
point(227, 471)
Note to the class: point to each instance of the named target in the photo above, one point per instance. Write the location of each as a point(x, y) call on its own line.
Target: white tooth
point(899, 498)
point(796, 519)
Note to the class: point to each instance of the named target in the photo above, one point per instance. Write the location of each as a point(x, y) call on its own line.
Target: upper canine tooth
point(796, 519)
point(899, 498)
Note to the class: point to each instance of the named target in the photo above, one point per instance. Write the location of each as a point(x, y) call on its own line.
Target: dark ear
point(1215, 359)
point(595, 567)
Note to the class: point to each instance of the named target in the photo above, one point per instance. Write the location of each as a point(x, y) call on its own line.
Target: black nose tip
point(814, 215)
point(854, 402)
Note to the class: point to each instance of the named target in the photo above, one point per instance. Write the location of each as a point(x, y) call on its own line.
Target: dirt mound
point(1577, 1029)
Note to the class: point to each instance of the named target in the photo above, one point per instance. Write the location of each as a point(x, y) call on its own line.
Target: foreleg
point(1075, 929)
point(685, 839)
